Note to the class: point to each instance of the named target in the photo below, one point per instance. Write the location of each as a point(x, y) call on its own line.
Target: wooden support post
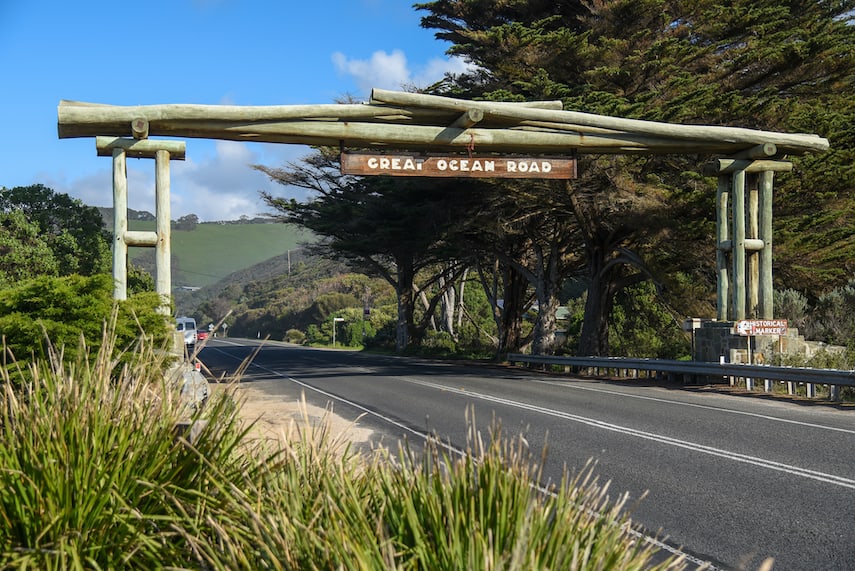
point(766, 289)
point(738, 245)
point(162, 152)
point(163, 285)
point(722, 231)
point(120, 225)
point(752, 259)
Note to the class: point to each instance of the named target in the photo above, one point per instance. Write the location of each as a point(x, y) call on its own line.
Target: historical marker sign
point(762, 327)
point(367, 164)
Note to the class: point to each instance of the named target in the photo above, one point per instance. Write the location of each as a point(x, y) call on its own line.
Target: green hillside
point(212, 251)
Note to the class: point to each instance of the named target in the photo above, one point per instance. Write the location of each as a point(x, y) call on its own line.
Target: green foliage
point(93, 476)
point(438, 343)
point(24, 253)
point(68, 310)
point(478, 512)
point(295, 336)
point(74, 232)
point(830, 319)
point(764, 65)
point(642, 326)
point(315, 336)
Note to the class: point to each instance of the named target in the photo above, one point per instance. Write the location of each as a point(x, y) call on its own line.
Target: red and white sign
point(762, 327)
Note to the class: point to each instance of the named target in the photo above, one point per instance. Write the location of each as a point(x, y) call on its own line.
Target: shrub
point(295, 336)
point(68, 309)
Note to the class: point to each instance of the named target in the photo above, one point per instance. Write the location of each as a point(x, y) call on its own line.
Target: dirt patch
point(277, 418)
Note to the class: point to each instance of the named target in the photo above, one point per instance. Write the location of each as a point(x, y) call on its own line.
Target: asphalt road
point(728, 479)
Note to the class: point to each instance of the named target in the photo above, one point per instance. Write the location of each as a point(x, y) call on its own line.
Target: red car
point(201, 334)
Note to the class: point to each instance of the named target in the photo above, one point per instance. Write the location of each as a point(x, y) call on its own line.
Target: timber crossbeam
point(413, 121)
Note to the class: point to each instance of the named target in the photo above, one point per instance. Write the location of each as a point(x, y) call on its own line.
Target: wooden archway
point(424, 123)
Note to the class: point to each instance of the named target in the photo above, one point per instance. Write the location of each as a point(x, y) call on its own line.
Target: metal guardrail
point(809, 376)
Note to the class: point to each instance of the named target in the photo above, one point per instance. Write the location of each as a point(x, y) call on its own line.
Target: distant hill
point(107, 215)
point(213, 250)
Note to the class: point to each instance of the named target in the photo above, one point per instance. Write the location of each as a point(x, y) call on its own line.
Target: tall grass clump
point(327, 508)
point(92, 472)
point(486, 510)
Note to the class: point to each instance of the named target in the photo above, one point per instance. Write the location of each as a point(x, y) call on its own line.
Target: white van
point(187, 326)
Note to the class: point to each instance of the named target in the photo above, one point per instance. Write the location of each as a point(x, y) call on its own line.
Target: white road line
point(735, 456)
point(703, 406)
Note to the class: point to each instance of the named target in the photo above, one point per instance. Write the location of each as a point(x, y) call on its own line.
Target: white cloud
point(215, 182)
point(392, 71)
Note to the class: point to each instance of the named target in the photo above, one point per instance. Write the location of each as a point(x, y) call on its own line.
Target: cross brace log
point(729, 166)
point(140, 148)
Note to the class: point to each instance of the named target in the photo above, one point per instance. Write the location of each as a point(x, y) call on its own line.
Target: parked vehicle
point(187, 325)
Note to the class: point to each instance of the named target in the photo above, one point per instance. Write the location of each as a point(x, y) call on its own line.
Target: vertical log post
point(766, 291)
point(722, 233)
point(163, 249)
point(752, 256)
point(120, 224)
point(738, 245)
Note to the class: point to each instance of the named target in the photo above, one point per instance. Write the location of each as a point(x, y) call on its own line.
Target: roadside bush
point(438, 343)
point(295, 336)
point(315, 335)
point(68, 309)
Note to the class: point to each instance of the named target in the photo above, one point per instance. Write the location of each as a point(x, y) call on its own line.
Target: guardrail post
point(811, 390)
point(834, 392)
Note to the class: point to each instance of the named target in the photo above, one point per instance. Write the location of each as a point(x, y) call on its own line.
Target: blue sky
point(264, 52)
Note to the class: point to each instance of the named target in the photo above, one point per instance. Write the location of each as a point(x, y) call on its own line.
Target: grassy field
point(212, 251)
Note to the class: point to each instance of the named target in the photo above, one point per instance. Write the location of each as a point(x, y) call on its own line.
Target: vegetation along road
point(731, 480)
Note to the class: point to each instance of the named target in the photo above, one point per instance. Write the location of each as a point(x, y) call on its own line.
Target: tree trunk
point(594, 337)
point(546, 290)
point(511, 337)
point(448, 305)
point(406, 303)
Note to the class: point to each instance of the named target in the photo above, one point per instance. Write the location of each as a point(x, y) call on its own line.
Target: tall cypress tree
point(766, 65)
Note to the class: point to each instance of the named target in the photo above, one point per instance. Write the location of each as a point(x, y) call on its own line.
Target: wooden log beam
point(139, 128)
point(729, 166)
point(763, 151)
point(75, 116)
point(140, 148)
point(750, 245)
point(794, 143)
point(423, 137)
point(551, 129)
point(140, 238)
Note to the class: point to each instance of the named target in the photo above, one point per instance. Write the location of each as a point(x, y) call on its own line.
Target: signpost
point(367, 164)
point(751, 327)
